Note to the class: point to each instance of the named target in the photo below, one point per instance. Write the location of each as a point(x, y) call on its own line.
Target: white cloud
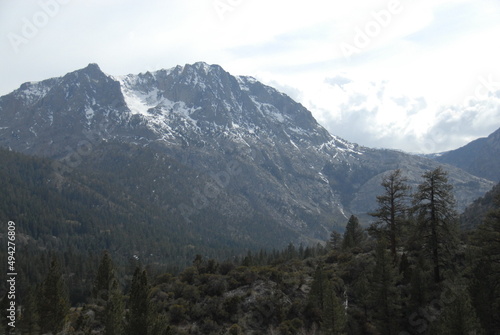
point(379, 114)
point(408, 88)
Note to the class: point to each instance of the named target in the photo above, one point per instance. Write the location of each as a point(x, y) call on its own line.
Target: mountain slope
point(480, 157)
point(259, 158)
point(89, 211)
point(476, 212)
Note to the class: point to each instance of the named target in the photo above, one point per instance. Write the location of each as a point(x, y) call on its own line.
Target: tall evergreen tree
point(458, 317)
point(317, 292)
point(138, 304)
point(335, 241)
point(486, 275)
point(114, 311)
point(334, 318)
point(30, 319)
point(362, 293)
point(326, 307)
point(436, 217)
point(53, 303)
point(354, 234)
point(103, 281)
point(419, 284)
point(386, 298)
point(392, 209)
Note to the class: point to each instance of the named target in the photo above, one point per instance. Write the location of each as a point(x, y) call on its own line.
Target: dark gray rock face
point(260, 151)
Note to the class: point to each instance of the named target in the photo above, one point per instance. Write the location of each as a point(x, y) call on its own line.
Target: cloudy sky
point(415, 75)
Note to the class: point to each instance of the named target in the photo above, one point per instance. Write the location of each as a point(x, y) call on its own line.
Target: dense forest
point(418, 268)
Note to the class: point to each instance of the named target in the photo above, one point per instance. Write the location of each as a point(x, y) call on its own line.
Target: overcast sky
point(416, 75)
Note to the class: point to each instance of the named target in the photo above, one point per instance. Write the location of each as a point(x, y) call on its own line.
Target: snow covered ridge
point(182, 97)
point(341, 145)
point(139, 102)
point(203, 116)
point(191, 100)
point(157, 111)
point(33, 91)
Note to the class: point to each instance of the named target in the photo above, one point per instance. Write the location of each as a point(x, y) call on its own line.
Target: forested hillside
point(80, 214)
point(238, 162)
point(156, 210)
point(475, 213)
point(413, 271)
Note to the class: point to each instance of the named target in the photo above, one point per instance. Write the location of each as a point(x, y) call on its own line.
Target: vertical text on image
point(11, 274)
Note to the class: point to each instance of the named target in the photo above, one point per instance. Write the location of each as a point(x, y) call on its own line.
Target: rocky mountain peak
point(290, 170)
point(213, 101)
point(92, 69)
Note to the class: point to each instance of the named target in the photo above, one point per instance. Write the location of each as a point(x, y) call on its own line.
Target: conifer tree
point(486, 279)
point(436, 218)
point(53, 303)
point(159, 325)
point(114, 311)
point(485, 295)
point(419, 284)
point(316, 299)
point(30, 319)
point(392, 210)
point(317, 292)
point(362, 294)
point(327, 309)
point(138, 304)
point(335, 241)
point(458, 317)
point(354, 234)
point(334, 318)
point(385, 296)
point(103, 281)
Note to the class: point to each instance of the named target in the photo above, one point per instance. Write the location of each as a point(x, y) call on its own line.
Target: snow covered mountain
point(258, 153)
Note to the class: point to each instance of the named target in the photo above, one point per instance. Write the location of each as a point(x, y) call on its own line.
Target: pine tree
point(386, 298)
point(114, 311)
point(392, 210)
point(159, 325)
point(354, 234)
point(419, 284)
point(437, 220)
point(458, 317)
point(484, 291)
point(362, 294)
point(103, 280)
point(486, 280)
point(53, 303)
point(30, 319)
point(334, 318)
point(326, 308)
point(335, 241)
point(138, 304)
point(316, 297)
point(317, 292)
